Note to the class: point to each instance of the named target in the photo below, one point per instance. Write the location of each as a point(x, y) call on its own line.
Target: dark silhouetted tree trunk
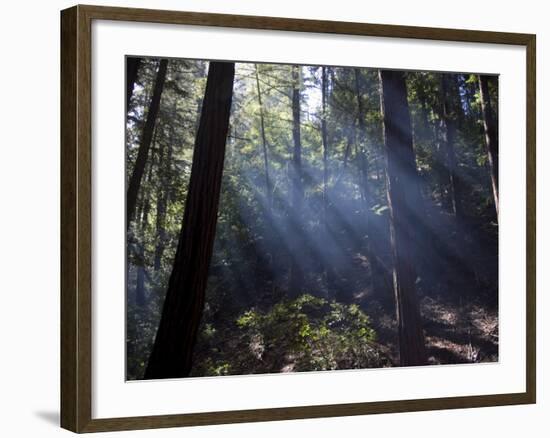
point(449, 138)
point(268, 194)
point(182, 310)
point(145, 143)
point(296, 271)
point(132, 68)
point(491, 134)
point(404, 201)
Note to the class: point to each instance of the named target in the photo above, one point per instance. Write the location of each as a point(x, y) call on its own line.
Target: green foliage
point(380, 209)
point(305, 334)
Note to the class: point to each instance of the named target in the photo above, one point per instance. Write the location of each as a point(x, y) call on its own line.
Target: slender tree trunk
point(327, 267)
point(491, 134)
point(382, 136)
point(145, 143)
point(349, 143)
point(140, 276)
point(296, 272)
point(182, 310)
point(324, 136)
point(449, 121)
point(144, 225)
point(404, 200)
point(132, 68)
point(142, 200)
point(146, 203)
point(362, 153)
point(165, 160)
point(268, 192)
point(139, 209)
point(423, 101)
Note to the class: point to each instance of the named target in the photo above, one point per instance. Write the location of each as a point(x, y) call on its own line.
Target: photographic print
point(291, 218)
point(268, 218)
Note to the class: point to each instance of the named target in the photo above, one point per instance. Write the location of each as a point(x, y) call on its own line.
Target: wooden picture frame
point(76, 218)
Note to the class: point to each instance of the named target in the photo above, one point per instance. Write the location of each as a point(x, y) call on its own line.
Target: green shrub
point(308, 334)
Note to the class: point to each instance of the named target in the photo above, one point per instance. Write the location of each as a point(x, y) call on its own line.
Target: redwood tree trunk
point(132, 68)
point(491, 134)
point(145, 144)
point(182, 310)
point(296, 272)
point(404, 201)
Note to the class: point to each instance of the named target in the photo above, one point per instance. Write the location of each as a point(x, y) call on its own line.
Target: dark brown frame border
point(76, 172)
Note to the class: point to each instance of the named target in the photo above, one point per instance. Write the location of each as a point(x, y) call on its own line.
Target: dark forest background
point(295, 218)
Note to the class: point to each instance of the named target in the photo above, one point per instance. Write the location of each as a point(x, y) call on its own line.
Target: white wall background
point(29, 224)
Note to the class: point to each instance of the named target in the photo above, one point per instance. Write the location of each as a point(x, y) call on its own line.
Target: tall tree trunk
point(165, 160)
point(449, 138)
point(324, 137)
point(140, 279)
point(268, 194)
point(182, 310)
point(327, 267)
point(162, 201)
point(140, 276)
point(362, 153)
point(296, 271)
point(491, 133)
point(132, 68)
point(404, 200)
point(145, 143)
point(382, 136)
point(142, 200)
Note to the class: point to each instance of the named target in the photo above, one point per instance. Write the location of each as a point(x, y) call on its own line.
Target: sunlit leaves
point(313, 333)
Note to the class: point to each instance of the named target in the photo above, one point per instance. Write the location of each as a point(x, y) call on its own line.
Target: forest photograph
point(291, 218)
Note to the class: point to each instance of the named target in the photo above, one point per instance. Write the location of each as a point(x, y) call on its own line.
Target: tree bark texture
point(184, 303)
point(404, 201)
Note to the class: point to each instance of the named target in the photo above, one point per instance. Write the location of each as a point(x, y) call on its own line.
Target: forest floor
point(460, 315)
point(454, 335)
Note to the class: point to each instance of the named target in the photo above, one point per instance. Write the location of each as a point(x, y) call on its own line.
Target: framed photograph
point(269, 219)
